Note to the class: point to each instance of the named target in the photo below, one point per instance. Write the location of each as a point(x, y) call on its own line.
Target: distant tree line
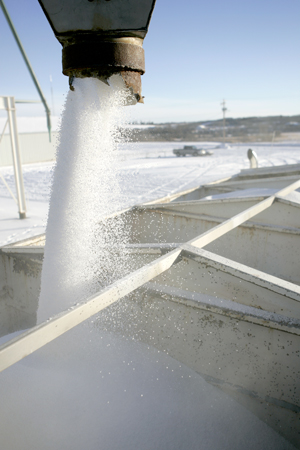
point(249, 129)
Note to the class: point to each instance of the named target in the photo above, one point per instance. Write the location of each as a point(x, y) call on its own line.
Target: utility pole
point(224, 109)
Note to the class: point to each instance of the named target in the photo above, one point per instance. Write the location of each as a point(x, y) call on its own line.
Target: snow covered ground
point(147, 171)
point(94, 390)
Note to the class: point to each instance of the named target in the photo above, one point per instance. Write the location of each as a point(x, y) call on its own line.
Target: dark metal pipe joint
point(101, 59)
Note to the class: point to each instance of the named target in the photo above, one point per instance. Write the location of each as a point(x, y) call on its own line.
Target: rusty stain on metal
point(102, 59)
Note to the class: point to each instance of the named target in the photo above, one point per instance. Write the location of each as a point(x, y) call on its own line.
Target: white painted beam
point(218, 231)
point(247, 273)
point(37, 337)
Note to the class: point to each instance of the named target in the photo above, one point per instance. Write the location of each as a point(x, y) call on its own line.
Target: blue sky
point(197, 54)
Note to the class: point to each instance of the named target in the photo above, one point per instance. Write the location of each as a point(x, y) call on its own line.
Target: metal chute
point(101, 38)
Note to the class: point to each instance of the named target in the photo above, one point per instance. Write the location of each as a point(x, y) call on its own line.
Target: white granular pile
point(78, 253)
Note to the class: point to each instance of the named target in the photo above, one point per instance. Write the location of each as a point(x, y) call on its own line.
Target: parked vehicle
point(191, 150)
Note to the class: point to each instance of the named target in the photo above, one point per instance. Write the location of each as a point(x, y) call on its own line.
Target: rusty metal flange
point(104, 58)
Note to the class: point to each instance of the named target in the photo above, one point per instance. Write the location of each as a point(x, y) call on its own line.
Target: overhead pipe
point(101, 38)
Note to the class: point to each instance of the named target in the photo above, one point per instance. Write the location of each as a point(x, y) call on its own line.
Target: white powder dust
point(85, 189)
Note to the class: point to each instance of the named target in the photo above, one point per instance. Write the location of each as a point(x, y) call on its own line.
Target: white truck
point(191, 150)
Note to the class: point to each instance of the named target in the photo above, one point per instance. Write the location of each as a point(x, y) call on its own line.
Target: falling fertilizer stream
point(85, 190)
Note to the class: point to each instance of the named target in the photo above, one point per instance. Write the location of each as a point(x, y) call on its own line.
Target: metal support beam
point(218, 231)
point(37, 337)
point(271, 293)
point(8, 103)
